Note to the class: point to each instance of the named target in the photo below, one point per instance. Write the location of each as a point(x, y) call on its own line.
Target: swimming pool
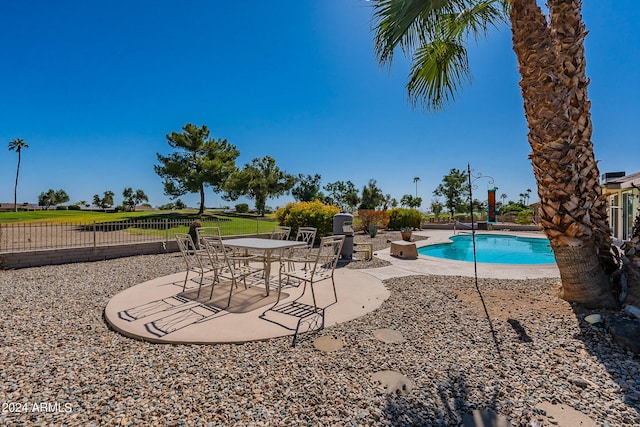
point(494, 249)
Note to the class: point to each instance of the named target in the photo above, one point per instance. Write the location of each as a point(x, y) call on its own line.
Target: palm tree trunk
point(554, 88)
point(15, 187)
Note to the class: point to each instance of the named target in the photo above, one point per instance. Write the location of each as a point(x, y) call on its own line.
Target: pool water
point(495, 249)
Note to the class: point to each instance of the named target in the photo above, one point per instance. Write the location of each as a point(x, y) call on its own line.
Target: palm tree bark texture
point(554, 89)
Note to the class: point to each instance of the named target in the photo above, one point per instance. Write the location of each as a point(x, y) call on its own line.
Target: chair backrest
point(218, 255)
point(190, 256)
point(307, 235)
point(328, 253)
point(206, 231)
point(280, 233)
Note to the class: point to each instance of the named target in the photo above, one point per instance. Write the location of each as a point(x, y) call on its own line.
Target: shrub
point(242, 208)
point(73, 207)
point(525, 217)
point(308, 214)
point(370, 217)
point(404, 218)
point(61, 208)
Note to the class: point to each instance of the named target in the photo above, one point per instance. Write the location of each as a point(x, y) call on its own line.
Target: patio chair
point(280, 232)
point(303, 254)
point(324, 265)
point(201, 232)
point(194, 259)
point(228, 266)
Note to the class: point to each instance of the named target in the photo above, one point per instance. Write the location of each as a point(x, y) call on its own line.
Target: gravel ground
point(61, 365)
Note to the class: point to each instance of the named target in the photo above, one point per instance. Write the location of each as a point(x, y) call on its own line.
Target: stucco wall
point(68, 255)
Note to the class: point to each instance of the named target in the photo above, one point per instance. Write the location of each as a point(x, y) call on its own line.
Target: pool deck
point(158, 310)
point(439, 266)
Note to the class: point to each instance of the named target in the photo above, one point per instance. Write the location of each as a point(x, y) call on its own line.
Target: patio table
point(265, 245)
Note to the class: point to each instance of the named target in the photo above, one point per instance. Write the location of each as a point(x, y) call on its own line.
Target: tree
point(454, 189)
point(410, 201)
point(415, 180)
point(106, 201)
point(550, 54)
point(259, 180)
point(52, 197)
point(388, 200)
point(342, 194)
point(17, 145)
point(436, 208)
point(131, 199)
point(372, 196)
point(307, 189)
point(199, 161)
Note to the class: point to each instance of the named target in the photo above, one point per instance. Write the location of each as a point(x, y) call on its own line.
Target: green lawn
point(228, 224)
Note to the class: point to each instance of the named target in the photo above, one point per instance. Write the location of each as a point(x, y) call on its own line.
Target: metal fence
point(49, 235)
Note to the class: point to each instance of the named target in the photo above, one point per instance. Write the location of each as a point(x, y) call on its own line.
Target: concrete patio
point(158, 310)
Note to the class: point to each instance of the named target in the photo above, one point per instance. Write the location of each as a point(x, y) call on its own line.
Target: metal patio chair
point(206, 231)
point(280, 232)
point(322, 268)
point(302, 255)
point(227, 265)
point(195, 259)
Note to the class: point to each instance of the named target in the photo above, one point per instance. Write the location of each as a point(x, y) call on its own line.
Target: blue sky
point(94, 87)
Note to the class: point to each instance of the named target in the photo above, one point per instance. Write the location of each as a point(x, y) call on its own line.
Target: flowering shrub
point(370, 217)
point(308, 214)
point(400, 218)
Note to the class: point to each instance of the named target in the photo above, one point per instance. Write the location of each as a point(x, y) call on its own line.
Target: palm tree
point(550, 53)
point(17, 145)
point(416, 179)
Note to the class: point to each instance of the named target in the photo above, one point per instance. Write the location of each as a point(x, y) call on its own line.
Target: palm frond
point(402, 23)
point(433, 34)
point(476, 19)
point(438, 70)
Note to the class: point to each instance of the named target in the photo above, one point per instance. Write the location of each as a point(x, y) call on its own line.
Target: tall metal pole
point(473, 229)
point(475, 263)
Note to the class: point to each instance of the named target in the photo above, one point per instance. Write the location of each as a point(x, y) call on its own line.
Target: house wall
point(623, 205)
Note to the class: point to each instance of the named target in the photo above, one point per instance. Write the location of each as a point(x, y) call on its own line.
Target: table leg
point(267, 269)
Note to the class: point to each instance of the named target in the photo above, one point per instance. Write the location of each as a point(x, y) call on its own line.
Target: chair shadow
point(189, 313)
point(195, 306)
point(296, 316)
point(174, 322)
point(153, 307)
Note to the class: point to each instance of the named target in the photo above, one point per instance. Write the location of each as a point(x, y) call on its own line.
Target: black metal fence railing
point(49, 235)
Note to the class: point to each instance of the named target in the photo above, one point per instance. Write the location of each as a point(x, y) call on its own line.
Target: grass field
point(229, 225)
point(54, 216)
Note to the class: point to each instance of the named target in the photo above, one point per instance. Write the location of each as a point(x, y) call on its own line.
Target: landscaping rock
point(625, 332)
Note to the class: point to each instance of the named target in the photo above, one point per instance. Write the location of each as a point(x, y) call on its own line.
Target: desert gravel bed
point(56, 351)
